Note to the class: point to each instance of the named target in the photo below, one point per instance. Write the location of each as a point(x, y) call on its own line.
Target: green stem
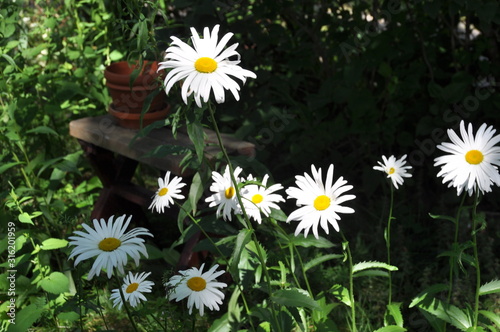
point(388, 243)
point(245, 304)
point(476, 260)
point(164, 328)
point(351, 284)
point(243, 211)
point(125, 303)
point(455, 244)
point(294, 248)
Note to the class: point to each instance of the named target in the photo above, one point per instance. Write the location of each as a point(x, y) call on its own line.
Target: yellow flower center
point(163, 192)
point(197, 284)
point(109, 244)
point(229, 193)
point(132, 287)
point(392, 170)
point(474, 157)
point(257, 198)
point(322, 202)
point(205, 65)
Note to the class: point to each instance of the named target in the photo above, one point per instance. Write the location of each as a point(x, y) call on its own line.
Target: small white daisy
point(224, 190)
point(204, 68)
point(472, 161)
point(319, 203)
point(133, 287)
point(260, 199)
point(167, 191)
point(201, 289)
point(394, 168)
point(109, 243)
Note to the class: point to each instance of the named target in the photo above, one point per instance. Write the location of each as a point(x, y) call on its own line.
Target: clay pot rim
point(119, 73)
point(136, 116)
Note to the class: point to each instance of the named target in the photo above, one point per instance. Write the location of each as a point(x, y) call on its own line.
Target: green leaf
point(318, 260)
point(311, 241)
point(490, 287)
point(393, 314)
point(9, 60)
point(438, 216)
point(242, 239)
point(341, 293)
point(372, 265)
point(491, 316)
point(221, 325)
point(25, 218)
point(42, 130)
point(68, 316)
point(55, 283)
point(372, 273)
point(391, 328)
point(197, 137)
point(427, 294)
point(294, 298)
point(52, 243)
point(195, 191)
point(26, 317)
point(448, 313)
point(6, 166)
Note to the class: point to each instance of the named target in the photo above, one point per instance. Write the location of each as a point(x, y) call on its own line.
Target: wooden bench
point(114, 159)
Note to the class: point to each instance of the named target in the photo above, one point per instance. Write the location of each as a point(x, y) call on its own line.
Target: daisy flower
point(200, 288)
point(318, 203)
point(133, 287)
point(224, 190)
point(260, 198)
point(395, 169)
point(109, 243)
point(204, 68)
point(167, 191)
point(472, 160)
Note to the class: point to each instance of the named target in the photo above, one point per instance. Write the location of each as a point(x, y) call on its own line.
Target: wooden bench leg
point(115, 174)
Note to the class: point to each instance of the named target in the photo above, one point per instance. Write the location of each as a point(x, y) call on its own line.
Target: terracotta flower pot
point(132, 120)
point(131, 100)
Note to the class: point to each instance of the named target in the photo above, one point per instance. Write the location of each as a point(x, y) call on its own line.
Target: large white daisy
point(318, 203)
point(204, 68)
point(201, 289)
point(260, 198)
point(167, 191)
point(133, 287)
point(394, 168)
point(224, 193)
point(472, 160)
point(109, 243)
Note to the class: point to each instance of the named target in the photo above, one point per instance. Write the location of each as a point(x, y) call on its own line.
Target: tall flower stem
point(301, 263)
point(351, 282)
point(388, 243)
point(245, 304)
point(245, 216)
point(476, 260)
point(125, 305)
point(455, 244)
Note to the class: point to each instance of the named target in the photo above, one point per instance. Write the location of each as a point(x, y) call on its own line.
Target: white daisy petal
point(224, 193)
point(259, 199)
point(201, 289)
point(394, 168)
point(133, 287)
point(318, 202)
point(472, 160)
point(205, 67)
point(167, 191)
point(109, 243)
